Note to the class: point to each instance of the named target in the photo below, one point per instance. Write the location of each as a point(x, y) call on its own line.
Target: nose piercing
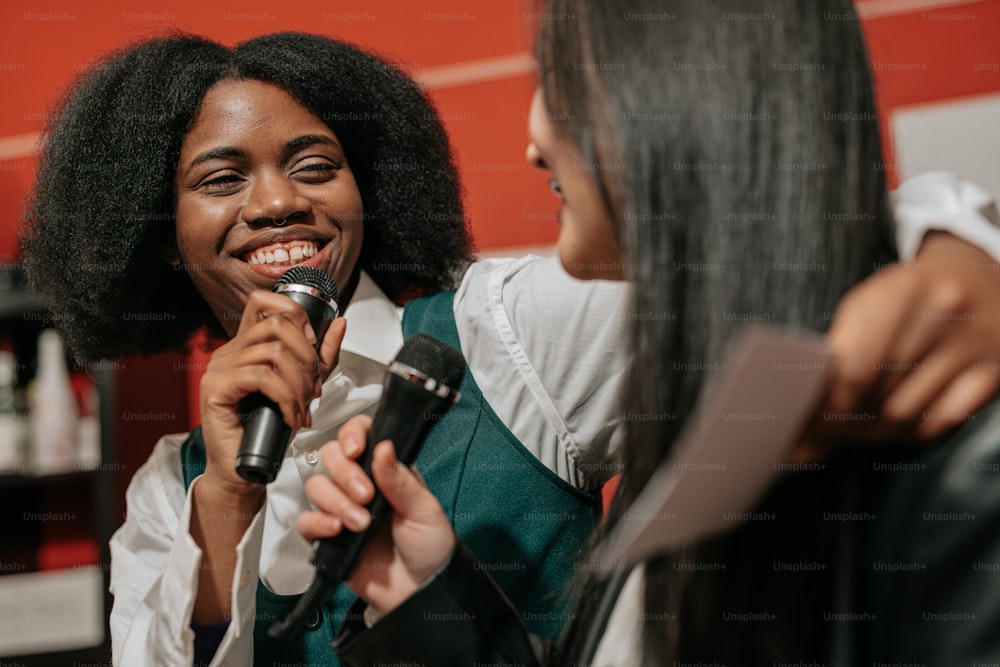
point(280, 223)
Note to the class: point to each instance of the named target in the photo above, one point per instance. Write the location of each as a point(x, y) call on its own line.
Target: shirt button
point(312, 456)
point(314, 620)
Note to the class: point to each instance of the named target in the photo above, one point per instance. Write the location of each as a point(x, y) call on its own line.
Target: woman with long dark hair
point(664, 126)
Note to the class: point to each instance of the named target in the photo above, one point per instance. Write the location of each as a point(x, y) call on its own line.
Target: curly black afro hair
point(102, 208)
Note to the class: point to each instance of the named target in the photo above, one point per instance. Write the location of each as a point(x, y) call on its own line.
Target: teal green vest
point(523, 522)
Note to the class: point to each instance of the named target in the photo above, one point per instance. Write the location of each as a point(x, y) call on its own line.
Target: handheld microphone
point(421, 385)
point(265, 433)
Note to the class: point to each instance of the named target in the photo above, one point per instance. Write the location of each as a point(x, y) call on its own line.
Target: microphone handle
point(263, 426)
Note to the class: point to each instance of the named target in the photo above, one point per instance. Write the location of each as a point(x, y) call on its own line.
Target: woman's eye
point(221, 181)
point(316, 170)
point(556, 188)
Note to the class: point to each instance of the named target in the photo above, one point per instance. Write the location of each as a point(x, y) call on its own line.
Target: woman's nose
point(273, 200)
point(534, 157)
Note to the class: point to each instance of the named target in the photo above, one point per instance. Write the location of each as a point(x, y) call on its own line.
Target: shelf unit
point(31, 507)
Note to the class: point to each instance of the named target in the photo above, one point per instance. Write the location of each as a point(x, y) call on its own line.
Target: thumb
point(401, 486)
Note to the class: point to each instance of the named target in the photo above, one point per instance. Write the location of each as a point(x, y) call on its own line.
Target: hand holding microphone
point(273, 354)
point(265, 433)
point(396, 532)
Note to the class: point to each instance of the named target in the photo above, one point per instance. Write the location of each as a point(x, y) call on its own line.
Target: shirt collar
point(374, 328)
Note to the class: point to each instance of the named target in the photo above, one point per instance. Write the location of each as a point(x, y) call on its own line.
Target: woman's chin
point(583, 266)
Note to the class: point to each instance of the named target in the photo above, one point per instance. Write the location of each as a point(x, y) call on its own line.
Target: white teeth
point(290, 253)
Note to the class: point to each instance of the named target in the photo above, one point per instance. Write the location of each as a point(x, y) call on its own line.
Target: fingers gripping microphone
point(265, 433)
point(421, 385)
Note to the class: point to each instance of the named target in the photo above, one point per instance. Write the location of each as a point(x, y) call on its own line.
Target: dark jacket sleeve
point(460, 618)
point(936, 563)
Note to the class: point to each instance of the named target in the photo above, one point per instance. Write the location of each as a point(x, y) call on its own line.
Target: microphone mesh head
point(310, 277)
point(434, 359)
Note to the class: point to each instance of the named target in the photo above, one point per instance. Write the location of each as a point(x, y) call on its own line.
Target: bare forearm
point(218, 523)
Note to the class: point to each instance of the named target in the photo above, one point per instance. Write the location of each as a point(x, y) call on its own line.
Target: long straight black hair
point(744, 175)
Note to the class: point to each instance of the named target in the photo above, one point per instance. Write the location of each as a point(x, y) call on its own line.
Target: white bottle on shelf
point(88, 445)
point(12, 425)
point(53, 410)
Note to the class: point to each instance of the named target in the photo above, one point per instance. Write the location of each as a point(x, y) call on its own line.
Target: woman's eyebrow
point(233, 152)
point(215, 154)
point(310, 140)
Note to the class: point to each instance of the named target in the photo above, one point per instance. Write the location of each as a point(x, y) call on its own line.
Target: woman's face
point(262, 185)
point(587, 244)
